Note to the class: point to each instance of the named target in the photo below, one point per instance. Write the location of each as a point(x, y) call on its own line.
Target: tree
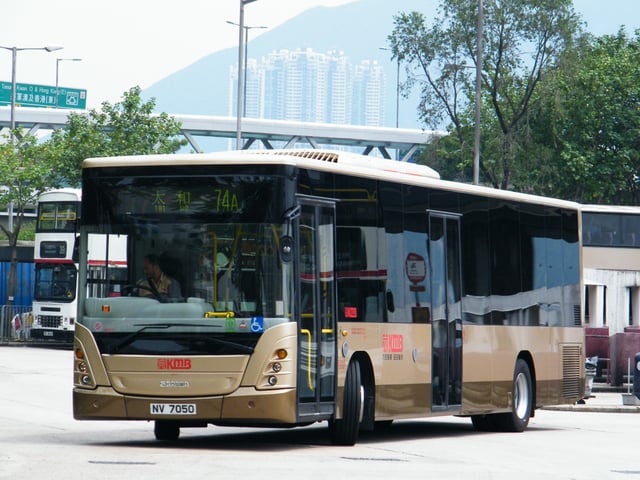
point(126, 128)
point(592, 119)
point(26, 170)
point(521, 40)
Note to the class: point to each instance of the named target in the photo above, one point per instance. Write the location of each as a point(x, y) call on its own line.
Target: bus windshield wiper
point(129, 339)
point(234, 345)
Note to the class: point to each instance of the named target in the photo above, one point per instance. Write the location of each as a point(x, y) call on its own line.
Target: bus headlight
point(272, 380)
point(82, 372)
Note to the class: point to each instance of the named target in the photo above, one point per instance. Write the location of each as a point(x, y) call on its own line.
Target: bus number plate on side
point(173, 409)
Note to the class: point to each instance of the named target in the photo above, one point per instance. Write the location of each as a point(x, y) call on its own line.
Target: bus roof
point(303, 157)
point(345, 163)
point(61, 195)
point(617, 209)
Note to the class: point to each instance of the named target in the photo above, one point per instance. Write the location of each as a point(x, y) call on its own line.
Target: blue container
point(25, 280)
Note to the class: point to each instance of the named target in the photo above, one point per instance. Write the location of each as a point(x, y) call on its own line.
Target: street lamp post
point(476, 140)
point(12, 114)
point(14, 55)
point(478, 99)
point(246, 43)
point(240, 102)
point(58, 60)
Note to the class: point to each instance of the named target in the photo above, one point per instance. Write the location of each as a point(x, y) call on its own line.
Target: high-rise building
point(303, 85)
point(368, 94)
point(339, 91)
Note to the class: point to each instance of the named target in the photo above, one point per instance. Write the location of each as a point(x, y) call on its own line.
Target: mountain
point(360, 30)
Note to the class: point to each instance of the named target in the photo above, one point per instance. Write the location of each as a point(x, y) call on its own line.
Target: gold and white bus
point(324, 286)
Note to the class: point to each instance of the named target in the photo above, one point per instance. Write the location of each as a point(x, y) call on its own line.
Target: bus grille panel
point(571, 368)
point(50, 321)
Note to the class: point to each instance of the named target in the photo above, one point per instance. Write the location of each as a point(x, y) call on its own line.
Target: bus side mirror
point(390, 304)
point(286, 249)
point(75, 256)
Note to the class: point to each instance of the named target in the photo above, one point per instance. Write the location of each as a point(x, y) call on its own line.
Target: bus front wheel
point(166, 431)
point(345, 430)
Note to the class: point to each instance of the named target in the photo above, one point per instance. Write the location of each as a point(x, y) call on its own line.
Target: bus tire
point(522, 404)
point(166, 431)
point(345, 430)
point(483, 423)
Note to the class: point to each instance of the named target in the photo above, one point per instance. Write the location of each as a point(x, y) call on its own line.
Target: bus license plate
point(173, 409)
point(46, 333)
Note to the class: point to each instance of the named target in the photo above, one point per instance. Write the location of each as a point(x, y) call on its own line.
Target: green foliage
point(597, 121)
point(26, 170)
point(521, 40)
point(126, 128)
point(28, 231)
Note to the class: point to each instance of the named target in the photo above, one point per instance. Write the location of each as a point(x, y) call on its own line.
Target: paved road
point(40, 440)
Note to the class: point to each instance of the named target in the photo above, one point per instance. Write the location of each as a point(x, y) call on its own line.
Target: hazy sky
point(123, 43)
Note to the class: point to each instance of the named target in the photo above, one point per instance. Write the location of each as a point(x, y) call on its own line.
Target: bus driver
point(157, 284)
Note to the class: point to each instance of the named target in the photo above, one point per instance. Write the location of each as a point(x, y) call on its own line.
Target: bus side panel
point(490, 354)
point(400, 355)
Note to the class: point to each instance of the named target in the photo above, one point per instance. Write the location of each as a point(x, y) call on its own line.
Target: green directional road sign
point(29, 95)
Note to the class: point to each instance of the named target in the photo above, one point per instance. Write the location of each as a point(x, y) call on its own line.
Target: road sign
point(29, 95)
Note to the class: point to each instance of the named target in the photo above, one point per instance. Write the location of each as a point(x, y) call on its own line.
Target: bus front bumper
point(244, 406)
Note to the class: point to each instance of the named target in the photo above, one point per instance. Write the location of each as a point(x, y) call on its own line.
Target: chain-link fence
point(15, 322)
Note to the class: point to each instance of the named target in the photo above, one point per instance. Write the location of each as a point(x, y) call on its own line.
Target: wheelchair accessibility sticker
point(257, 324)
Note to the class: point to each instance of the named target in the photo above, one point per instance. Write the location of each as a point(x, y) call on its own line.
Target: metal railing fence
point(15, 322)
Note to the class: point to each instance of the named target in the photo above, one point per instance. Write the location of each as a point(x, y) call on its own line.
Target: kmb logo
point(391, 343)
point(174, 364)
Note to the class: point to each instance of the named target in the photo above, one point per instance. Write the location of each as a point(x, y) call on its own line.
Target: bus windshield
point(57, 216)
point(55, 282)
point(216, 243)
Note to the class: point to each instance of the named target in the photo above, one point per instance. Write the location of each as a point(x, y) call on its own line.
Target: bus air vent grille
point(572, 387)
point(330, 157)
point(577, 316)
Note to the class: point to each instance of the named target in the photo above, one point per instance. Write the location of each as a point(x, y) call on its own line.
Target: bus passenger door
point(446, 326)
point(316, 301)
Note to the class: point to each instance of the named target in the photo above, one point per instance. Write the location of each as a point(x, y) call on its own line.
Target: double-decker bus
point(322, 286)
point(55, 292)
point(55, 255)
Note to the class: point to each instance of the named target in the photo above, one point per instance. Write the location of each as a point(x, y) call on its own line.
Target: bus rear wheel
point(345, 430)
point(522, 404)
point(521, 409)
point(166, 431)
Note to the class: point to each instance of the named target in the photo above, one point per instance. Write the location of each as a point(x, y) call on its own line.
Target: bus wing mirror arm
point(293, 212)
